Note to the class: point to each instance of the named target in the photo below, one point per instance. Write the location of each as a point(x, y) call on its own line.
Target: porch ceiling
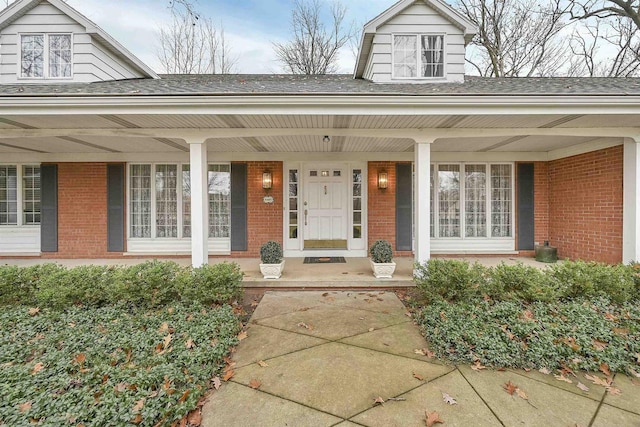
point(301, 142)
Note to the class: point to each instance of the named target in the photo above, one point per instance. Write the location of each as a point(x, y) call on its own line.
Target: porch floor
point(355, 273)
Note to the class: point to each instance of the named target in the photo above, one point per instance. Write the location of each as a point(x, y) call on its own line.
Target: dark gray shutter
point(49, 208)
point(239, 207)
point(404, 214)
point(525, 207)
point(115, 208)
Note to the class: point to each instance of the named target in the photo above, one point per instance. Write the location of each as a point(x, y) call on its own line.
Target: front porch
point(354, 274)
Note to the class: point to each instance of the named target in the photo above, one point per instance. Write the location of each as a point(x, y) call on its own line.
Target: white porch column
point(422, 201)
point(631, 204)
point(199, 203)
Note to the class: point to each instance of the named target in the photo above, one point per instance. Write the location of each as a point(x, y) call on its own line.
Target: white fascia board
point(320, 104)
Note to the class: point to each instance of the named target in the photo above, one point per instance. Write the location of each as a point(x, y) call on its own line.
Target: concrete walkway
point(329, 355)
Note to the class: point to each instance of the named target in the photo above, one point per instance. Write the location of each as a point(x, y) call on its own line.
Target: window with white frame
point(418, 56)
point(161, 207)
point(45, 56)
point(471, 200)
point(19, 195)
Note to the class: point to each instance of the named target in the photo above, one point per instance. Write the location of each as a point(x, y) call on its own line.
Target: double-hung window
point(418, 56)
point(471, 200)
point(45, 56)
point(160, 201)
point(19, 195)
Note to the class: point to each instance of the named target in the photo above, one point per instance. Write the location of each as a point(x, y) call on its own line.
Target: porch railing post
point(199, 202)
point(422, 250)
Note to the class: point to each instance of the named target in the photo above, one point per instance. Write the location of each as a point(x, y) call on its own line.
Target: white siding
point(19, 241)
point(91, 60)
point(416, 19)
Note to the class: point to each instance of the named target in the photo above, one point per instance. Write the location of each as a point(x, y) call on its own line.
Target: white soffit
point(604, 120)
point(229, 145)
point(51, 145)
point(71, 121)
point(372, 145)
point(173, 121)
point(134, 145)
point(465, 144)
point(543, 143)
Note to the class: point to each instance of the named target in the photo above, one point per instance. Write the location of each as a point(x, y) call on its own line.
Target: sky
point(251, 26)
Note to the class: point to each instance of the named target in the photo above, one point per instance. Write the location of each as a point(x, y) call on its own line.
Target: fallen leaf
point(433, 418)
point(638, 358)
point(597, 380)
point(195, 417)
point(254, 303)
point(217, 383)
point(510, 387)
point(190, 344)
point(448, 399)
point(545, 371)
point(633, 372)
point(521, 394)
point(184, 396)
point(582, 387)
point(478, 366)
point(418, 377)
point(242, 335)
point(230, 373)
point(620, 331)
point(262, 363)
point(34, 311)
point(528, 314)
point(167, 341)
point(255, 384)
point(326, 294)
point(372, 329)
point(610, 316)
point(139, 405)
point(25, 406)
point(80, 358)
point(137, 419)
point(604, 368)
point(613, 391)
point(305, 309)
point(563, 378)
point(379, 401)
point(304, 325)
point(599, 345)
point(37, 368)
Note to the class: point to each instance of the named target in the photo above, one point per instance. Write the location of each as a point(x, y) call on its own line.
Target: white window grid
point(505, 189)
point(219, 178)
point(475, 200)
point(357, 183)
point(151, 208)
point(294, 203)
point(424, 58)
point(51, 61)
point(20, 194)
point(31, 189)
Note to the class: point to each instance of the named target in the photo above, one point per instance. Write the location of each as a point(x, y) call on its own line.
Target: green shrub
point(579, 279)
point(381, 252)
point(271, 253)
point(212, 284)
point(150, 284)
point(634, 268)
point(18, 285)
point(451, 280)
point(87, 285)
point(519, 283)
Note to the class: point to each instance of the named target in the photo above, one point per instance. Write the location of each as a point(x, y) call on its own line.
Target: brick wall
point(82, 211)
point(382, 206)
point(541, 201)
point(585, 205)
point(264, 221)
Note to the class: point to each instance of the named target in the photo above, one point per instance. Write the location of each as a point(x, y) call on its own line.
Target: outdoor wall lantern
point(383, 180)
point(267, 180)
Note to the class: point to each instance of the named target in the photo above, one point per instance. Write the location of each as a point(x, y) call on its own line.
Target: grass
point(113, 365)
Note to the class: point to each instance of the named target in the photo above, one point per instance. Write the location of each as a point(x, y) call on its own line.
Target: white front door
point(325, 208)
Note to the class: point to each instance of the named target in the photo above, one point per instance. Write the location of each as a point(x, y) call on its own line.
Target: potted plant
point(272, 260)
point(382, 259)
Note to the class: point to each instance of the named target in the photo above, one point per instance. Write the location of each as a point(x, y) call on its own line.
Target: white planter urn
point(272, 271)
point(383, 270)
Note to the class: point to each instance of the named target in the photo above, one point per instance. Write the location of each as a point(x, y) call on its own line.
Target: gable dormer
point(415, 41)
point(50, 42)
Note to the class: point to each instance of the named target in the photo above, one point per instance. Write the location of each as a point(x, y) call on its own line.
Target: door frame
point(355, 247)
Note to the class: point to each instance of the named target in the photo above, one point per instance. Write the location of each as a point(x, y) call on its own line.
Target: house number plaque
point(268, 200)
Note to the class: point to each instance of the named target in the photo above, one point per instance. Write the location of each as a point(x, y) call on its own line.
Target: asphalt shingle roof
point(277, 84)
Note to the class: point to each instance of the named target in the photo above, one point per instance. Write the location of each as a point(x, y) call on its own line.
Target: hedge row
point(151, 284)
point(456, 280)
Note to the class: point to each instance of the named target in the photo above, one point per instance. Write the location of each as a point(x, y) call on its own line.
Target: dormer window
point(418, 56)
point(45, 56)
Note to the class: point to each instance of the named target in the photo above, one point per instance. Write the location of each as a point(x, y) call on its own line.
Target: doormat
point(325, 260)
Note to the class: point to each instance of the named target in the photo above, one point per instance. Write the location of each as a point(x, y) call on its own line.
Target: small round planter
point(383, 270)
point(272, 271)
